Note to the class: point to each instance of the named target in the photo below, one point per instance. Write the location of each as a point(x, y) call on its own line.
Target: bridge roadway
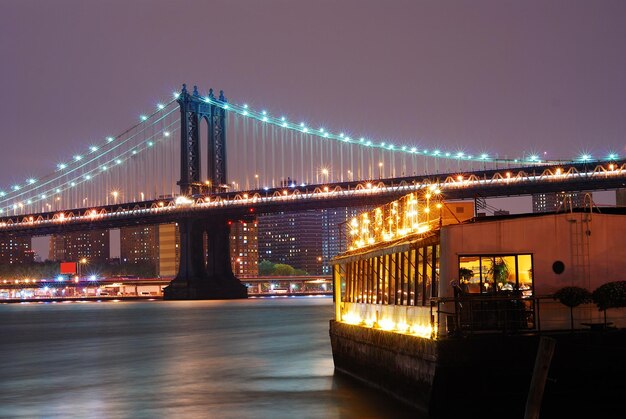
point(243, 205)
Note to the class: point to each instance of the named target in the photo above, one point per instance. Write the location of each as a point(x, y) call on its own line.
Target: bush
point(282, 269)
point(572, 296)
point(610, 295)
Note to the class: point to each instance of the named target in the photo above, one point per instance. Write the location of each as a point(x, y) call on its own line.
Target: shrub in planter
point(572, 297)
point(610, 295)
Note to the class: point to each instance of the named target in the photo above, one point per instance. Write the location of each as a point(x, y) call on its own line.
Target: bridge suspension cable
point(267, 151)
point(263, 151)
point(115, 170)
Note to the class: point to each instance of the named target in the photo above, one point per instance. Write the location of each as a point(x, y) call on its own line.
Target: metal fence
point(469, 314)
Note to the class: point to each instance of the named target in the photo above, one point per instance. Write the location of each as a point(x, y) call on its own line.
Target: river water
point(257, 358)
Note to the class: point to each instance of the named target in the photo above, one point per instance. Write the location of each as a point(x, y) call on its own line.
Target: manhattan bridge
point(202, 161)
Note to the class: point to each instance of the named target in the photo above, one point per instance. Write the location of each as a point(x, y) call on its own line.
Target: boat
point(445, 311)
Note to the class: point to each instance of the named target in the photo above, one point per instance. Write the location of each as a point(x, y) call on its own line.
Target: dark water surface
point(262, 358)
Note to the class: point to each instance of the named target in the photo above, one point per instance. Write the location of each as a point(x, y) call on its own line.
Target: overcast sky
point(505, 77)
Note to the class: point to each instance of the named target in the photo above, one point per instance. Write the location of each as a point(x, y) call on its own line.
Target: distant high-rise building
point(16, 250)
point(292, 238)
point(306, 240)
point(57, 248)
point(92, 245)
point(169, 250)
point(334, 232)
point(244, 248)
point(140, 244)
point(549, 202)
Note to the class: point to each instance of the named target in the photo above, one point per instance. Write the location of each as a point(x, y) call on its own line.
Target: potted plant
point(572, 297)
point(610, 295)
point(499, 271)
point(465, 275)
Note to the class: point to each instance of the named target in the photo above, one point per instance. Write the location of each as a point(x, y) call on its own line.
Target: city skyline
point(538, 77)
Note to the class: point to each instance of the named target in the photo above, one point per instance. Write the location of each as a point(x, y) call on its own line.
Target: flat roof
point(595, 210)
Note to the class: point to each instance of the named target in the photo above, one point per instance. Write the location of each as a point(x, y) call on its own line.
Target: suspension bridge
point(202, 162)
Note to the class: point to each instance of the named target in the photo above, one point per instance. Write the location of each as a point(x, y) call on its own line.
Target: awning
point(401, 245)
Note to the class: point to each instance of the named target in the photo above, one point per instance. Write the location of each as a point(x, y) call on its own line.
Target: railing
point(472, 314)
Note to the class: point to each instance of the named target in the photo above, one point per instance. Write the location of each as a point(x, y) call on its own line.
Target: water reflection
point(236, 359)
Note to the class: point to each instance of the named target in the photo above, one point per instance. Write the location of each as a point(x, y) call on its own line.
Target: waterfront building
point(244, 248)
point(555, 201)
point(306, 240)
point(169, 251)
point(92, 245)
point(139, 244)
point(16, 250)
point(293, 239)
point(532, 255)
point(56, 248)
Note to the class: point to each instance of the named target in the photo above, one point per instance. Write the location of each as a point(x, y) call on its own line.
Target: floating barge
point(445, 311)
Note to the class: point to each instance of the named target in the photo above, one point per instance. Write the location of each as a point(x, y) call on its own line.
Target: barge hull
point(487, 375)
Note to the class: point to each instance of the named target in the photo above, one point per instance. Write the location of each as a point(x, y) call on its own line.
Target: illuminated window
point(489, 274)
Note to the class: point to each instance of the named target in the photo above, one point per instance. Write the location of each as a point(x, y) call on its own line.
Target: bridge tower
point(197, 278)
point(194, 110)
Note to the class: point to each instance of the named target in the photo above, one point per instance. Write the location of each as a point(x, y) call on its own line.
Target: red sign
point(68, 268)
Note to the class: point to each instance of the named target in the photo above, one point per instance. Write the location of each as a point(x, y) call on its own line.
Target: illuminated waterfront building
point(92, 245)
point(306, 240)
point(293, 239)
point(16, 250)
point(154, 244)
point(139, 244)
point(393, 262)
point(57, 248)
point(244, 248)
point(553, 201)
point(169, 250)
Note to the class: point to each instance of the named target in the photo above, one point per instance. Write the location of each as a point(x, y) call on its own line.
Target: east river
point(257, 358)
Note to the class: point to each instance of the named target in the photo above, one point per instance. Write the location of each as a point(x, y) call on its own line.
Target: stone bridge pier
point(199, 278)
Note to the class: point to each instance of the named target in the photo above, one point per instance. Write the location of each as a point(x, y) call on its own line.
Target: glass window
point(379, 280)
point(385, 295)
point(487, 271)
point(411, 277)
point(525, 274)
point(419, 278)
point(428, 272)
point(504, 273)
point(392, 278)
point(436, 255)
point(374, 275)
point(406, 274)
point(488, 274)
point(469, 274)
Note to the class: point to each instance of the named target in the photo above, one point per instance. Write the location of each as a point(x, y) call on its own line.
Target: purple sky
point(500, 76)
